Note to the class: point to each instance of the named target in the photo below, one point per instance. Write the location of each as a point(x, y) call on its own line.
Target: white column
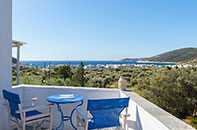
point(18, 67)
point(5, 55)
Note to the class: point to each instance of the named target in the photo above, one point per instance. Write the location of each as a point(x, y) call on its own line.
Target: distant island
point(179, 55)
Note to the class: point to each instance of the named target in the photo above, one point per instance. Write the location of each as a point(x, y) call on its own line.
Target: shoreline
point(146, 61)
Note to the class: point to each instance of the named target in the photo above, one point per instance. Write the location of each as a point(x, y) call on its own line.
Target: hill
point(180, 55)
point(184, 54)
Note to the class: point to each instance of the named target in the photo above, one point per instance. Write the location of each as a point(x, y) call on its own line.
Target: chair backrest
point(106, 112)
point(13, 102)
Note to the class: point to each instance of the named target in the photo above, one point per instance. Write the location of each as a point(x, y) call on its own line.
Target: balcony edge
point(167, 119)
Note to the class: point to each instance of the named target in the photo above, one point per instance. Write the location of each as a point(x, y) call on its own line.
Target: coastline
point(93, 64)
point(147, 61)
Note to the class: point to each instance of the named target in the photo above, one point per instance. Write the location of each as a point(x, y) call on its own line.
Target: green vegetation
point(173, 89)
point(78, 77)
point(185, 54)
point(191, 121)
point(63, 72)
point(180, 55)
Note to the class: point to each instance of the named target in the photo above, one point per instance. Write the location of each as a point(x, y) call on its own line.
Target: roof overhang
point(17, 43)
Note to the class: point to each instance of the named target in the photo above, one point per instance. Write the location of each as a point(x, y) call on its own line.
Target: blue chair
point(103, 113)
point(25, 115)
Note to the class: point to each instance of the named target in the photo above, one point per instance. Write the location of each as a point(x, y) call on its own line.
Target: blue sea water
point(55, 63)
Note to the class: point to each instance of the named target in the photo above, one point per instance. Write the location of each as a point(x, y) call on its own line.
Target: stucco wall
point(5, 54)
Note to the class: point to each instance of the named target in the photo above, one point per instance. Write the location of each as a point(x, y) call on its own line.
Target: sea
point(56, 63)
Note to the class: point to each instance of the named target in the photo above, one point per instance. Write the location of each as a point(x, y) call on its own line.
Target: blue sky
point(103, 29)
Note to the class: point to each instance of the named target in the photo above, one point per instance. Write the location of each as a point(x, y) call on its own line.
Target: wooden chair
point(25, 115)
point(104, 113)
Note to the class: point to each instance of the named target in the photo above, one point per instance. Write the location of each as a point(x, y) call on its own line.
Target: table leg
point(62, 118)
point(66, 118)
point(71, 122)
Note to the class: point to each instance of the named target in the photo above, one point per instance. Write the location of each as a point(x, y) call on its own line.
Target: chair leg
point(38, 126)
point(77, 122)
point(50, 119)
point(124, 122)
point(77, 125)
point(18, 124)
point(124, 125)
point(50, 123)
point(34, 126)
point(9, 122)
point(86, 125)
point(23, 127)
point(18, 128)
point(119, 128)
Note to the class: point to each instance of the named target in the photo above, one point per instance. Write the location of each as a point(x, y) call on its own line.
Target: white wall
point(42, 92)
point(5, 54)
point(141, 119)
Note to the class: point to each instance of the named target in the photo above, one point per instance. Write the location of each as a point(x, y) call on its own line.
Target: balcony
point(144, 114)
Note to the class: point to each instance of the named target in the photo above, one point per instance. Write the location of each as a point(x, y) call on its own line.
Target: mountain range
point(179, 55)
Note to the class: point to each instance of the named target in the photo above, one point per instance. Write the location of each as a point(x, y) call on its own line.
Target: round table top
point(60, 99)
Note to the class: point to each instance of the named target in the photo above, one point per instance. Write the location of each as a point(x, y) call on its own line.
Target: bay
point(56, 63)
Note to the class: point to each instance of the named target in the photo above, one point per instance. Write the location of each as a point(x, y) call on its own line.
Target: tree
point(78, 77)
point(63, 71)
point(174, 91)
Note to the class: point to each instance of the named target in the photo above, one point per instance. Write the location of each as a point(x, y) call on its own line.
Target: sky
point(102, 29)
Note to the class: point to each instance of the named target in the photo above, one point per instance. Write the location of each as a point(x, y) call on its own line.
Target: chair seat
point(33, 113)
point(104, 123)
